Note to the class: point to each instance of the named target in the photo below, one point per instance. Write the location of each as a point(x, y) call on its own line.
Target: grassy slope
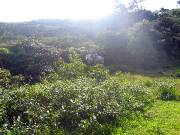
point(162, 119)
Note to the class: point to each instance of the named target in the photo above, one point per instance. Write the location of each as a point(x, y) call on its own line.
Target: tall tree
point(134, 4)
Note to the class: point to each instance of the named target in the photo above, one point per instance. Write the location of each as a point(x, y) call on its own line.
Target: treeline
point(138, 41)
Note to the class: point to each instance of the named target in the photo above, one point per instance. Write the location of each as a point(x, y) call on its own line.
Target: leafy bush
point(5, 77)
point(4, 51)
point(70, 70)
point(177, 73)
point(98, 72)
point(167, 93)
point(133, 95)
point(7, 80)
point(76, 68)
point(167, 90)
point(72, 106)
point(31, 60)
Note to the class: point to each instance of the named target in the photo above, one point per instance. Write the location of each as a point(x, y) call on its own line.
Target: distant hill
point(140, 41)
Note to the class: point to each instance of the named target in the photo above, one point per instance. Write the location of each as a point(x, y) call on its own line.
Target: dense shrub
point(70, 70)
point(76, 68)
point(76, 106)
point(98, 72)
point(5, 78)
point(31, 60)
point(167, 90)
point(177, 73)
point(4, 51)
point(169, 94)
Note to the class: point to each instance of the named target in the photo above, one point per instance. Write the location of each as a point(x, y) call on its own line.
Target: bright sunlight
point(18, 10)
point(26, 10)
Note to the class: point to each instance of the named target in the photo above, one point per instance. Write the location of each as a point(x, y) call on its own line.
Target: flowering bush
point(72, 106)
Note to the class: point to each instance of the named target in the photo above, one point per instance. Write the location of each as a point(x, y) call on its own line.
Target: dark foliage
point(30, 60)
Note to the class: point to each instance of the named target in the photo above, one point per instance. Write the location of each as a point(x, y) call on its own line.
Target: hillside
point(141, 42)
point(114, 75)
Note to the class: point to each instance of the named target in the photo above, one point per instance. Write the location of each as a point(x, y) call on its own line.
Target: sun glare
point(88, 9)
point(25, 10)
point(22, 10)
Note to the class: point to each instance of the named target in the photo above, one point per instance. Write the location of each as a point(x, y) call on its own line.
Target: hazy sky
point(24, 10)
point(157, 4)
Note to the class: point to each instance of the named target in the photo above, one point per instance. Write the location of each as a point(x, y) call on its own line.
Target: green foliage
point(76, 68)
point(51, 77)
point(4, 51)
point(31, 60)
point(5, 78)
point(167, 90)
point(162, 118)
point(80, 105)
point(70, 70)
point(77, 106)
point(98, 72)
point(135, 96)
point(177, 73)
point(17, 80)
point(168, 93)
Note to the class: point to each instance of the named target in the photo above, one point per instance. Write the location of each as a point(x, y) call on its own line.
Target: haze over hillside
point(27, 10)
point(141, 41)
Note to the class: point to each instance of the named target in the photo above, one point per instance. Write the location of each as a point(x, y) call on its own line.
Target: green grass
point(162, 119)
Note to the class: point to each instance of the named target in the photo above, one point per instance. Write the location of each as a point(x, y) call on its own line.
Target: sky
point(26, 10)
point(157, 4)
